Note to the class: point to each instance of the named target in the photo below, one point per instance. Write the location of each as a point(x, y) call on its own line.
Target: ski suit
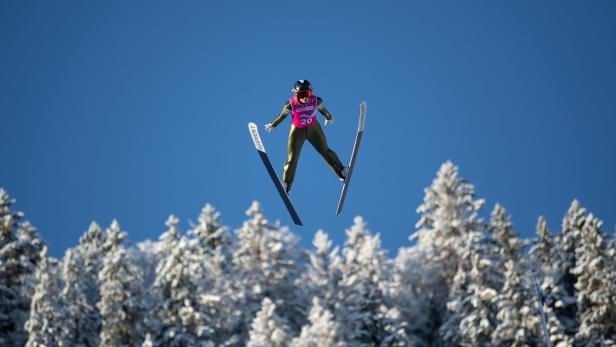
point(305, 126)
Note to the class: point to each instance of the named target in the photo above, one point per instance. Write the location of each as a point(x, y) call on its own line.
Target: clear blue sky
point(136, 110)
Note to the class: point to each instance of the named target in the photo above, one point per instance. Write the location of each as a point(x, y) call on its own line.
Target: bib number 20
point(306, 121)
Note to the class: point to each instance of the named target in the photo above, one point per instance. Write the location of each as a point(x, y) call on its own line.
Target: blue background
point(136, 110)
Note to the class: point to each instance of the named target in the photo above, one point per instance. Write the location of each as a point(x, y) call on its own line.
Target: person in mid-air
point(303, 107)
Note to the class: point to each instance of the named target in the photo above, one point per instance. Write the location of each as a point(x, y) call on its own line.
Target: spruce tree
point(20, 248)
point(321, 331)
point(543, 254)
point(82, 320)
point(324, 273)
point(269, 329)
point(181, 319)
point(411, 294)
point(370, 320)
point(47, 314)
point(268, 262)
point(448, 214)
point(121, 305)
point(595, 286)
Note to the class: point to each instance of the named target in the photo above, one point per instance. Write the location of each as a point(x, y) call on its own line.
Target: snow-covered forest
point(460, 281)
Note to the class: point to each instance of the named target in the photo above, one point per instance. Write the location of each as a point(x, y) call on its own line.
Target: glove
point(269, 127)
point(329, 121)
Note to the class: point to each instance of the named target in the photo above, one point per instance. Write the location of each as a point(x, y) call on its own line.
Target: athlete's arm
point(286, 110)
point(324, 111)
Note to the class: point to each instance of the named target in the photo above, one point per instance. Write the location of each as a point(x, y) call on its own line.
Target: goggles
point(304, 94)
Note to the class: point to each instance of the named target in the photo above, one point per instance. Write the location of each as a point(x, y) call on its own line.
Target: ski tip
point(256, 138)
point(362, 115)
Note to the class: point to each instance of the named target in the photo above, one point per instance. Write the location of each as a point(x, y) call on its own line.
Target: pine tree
point(268, 328)
point(82, 320)
point(322, 331)
point(267, 263)
point(472, 304)
point(517, 321)
point(411, 295)
point(542, 255)
point(370, 319)
point(448, 214)
point(210, 231)
point(47, 312)
point(182, 321)
point(596, 287)
point(122, 292)
point(219, 294)
point(559, 282)
point(81, 292)
point(20, 248)
point(324, 273)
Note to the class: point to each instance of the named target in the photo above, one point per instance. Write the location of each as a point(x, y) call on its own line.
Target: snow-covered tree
point(121, 306)
point(321, 331)
point(448, 214)
point(558, 285)
point(220, 295)
point(472, 304)
point(47, 314)
point(81, 292)
point(367, 316)
point(269, 329)
point(542, 254)
point(82, 319)
point(324, 273)
point(518, 323)
point(267, 263)
point(411, 295)
point(20, 248)
point(210, 230)
point(596, 287)
point(181, 319)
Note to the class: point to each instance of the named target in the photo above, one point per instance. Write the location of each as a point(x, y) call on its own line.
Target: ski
point(358, 136)
point(254, 133)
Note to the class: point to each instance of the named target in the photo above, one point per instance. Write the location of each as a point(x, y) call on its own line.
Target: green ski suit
point(315, 135)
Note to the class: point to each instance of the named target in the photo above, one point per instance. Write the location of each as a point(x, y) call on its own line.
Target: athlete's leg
point(317, 138)
point(297, 136)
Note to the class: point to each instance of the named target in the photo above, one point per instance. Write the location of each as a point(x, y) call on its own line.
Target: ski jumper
point(305, 126)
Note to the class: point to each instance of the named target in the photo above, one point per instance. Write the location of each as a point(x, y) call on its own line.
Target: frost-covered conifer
point(81, 292)
point(210, 231)
point(448, 213)
point(559, 282)
point(20, 248)
point(367, 318)
point(542, 255)
point(82, 319)
point(121, 306)
point(519, 323)
point(542, 250)
point(411, 295)
point(596, 287)
point(472, 309)
point(180, 318)
point(219, 293)
point(502, 229)
point(321, 331)
point(324, 273)
point(47, 314)
point(269, 329)
point(267, 263)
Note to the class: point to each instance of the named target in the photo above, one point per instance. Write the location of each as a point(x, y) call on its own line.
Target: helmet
point(301, 86)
